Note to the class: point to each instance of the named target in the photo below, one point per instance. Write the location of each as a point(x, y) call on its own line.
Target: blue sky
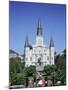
point(23, 20)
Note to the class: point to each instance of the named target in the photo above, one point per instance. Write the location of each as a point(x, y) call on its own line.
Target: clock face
point(39, 42)
point(39, 50)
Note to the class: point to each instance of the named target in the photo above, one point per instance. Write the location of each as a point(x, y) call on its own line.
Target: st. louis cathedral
point(39, 54)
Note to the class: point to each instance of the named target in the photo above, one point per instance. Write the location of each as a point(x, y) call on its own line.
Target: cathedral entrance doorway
point(39, 64)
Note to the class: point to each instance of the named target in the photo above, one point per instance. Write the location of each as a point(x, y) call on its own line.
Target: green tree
point(48, 69)
point(60, 62)
point(16, 71)
point(20, 79)
point(51, 72)
point(29, 71)
point(15, 65)
point(17, 79)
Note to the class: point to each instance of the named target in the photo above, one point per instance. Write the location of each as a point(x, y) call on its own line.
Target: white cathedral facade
point(39, 54)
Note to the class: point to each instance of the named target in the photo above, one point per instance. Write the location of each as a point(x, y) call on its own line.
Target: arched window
point(52, 58)
point(26, 59)
point(30, 58)
point(47, 57)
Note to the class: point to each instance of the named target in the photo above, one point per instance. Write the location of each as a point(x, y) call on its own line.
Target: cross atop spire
point(39, 28)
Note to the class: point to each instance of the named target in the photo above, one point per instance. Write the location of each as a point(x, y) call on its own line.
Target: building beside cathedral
point(39, 54)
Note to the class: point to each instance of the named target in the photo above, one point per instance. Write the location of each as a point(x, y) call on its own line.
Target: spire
point(39, 28)
point(51, 42)
point(26, 42)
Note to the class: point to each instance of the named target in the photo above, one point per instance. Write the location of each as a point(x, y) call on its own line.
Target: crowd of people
point(39, 82)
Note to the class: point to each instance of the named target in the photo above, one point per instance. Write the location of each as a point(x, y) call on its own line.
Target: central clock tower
point(39, 36)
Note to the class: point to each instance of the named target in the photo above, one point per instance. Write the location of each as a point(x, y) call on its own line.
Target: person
point(49, 83)
point(30, 83)
point(41, 83)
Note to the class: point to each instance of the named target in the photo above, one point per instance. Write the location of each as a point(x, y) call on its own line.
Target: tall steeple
point(51, 42)
point(39, 28)
point(39, 36)
point(26, 42)
point(51, 51)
